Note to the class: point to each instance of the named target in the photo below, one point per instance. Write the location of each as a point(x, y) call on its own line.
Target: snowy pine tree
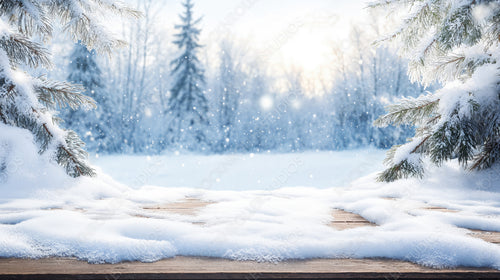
point(228, 97)
point(457, 44)
point(30, 102)
point(92, 125)
point(187, 104)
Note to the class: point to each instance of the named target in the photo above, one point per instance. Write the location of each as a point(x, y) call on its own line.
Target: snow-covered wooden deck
point(212, 268)
point(206, 268)
point(341, 219)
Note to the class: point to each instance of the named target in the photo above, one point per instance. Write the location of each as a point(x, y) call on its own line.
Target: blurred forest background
point(254, 103)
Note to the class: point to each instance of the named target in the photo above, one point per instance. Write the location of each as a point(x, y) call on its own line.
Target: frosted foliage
point(455, 43)
point(30, 103)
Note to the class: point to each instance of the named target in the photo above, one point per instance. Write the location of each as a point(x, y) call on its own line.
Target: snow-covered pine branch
point(56, 94)
point(22, 50)
point(456, 43)
point(28, 102)
point(409, 111)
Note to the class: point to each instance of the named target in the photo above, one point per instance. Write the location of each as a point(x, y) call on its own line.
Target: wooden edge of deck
point(214, 268)
point(260, 276)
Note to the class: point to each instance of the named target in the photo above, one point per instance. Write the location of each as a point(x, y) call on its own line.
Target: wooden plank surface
point(346, 220)
point(440, 209)
point(488, 236)
point(341, 219)
point(188, 206)
point(211, 268)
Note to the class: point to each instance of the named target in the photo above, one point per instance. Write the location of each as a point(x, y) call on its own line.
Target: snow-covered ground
point(266, 208)
point(243, 171)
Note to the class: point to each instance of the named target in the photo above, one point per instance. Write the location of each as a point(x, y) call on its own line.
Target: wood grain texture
point(341, 219)
point(214, 268)
point(488, 236)
point(346, 220)
point(211, 268)
point(440, 209)
point(188, 206)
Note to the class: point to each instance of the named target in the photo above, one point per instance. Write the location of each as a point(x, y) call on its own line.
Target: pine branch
point(68, 153)
point(489, 154)
point(459, 28)
point(413, 19)
point(83, 24)
point(92, 35)
point(409, 111)
point(25, 103)
point(456, 138)
point(119, 9)
point(446, 43)
point(76, 163)
point(28, 15)
point(455, 66)
point(22, 50)
point(420, 146)
point(410, 166)
point(403, 170)
point(2, 116)
point(63, 94)
point(9, 89)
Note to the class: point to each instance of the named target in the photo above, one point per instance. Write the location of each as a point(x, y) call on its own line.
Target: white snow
point(481, 88)
point(22, 170)
point(4, 28)
point(405, 152)
point(101, 220)
point(243, 171)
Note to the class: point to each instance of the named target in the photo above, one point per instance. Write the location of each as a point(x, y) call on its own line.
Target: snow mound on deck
point(99, 220)
point(26, 173)
point(22, 170)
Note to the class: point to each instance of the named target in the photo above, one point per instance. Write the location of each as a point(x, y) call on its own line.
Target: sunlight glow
point(266, 102)
point(307, 49)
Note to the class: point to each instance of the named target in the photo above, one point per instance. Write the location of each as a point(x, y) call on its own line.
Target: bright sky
point(298, 30)
point(285, 33)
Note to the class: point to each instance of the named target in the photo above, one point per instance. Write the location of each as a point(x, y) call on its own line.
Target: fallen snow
point(243, 171)
point(22, 170)
point(277, 218)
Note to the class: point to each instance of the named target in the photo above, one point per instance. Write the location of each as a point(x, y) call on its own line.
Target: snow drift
point(100, 220)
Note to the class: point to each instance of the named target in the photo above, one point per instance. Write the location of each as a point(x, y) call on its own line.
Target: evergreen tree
point(228, 97)
point(93, 125)
point(30, 103)
point(187, 103)
point(457, 44)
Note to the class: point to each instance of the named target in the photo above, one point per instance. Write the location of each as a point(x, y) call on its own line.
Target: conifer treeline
point(170, 103)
